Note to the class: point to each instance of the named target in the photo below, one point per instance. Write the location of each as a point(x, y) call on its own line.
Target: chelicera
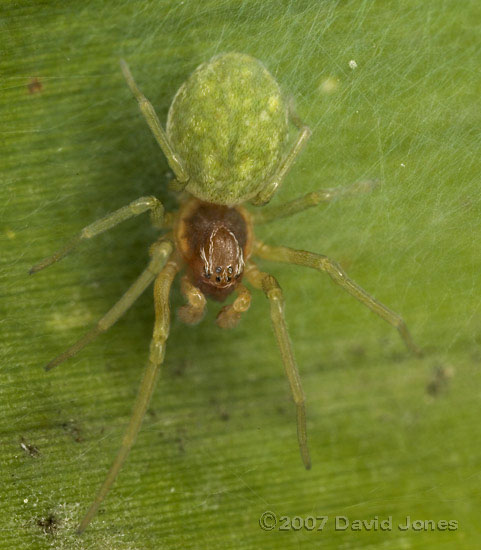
point(227, 144)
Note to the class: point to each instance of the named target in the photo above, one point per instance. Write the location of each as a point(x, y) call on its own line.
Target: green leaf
point(391, 92)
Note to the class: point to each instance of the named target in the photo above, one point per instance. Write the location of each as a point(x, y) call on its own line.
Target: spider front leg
point(272, 290)
point(304, 134)
point(162, 287)
point(153, 121)
point(229, 316)
point(338, 275)
point(139, 206)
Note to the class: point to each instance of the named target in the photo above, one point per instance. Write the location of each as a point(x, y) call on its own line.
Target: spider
point(226, 142)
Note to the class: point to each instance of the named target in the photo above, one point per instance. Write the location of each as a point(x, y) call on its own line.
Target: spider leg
point(160, 254)
point(229, 316)
point(153, 121)
point(338, 275)
point(162, 287)
point(304, 134)
point(272, 290)
point(135, 208)
point(194, 310)
point(309, 200)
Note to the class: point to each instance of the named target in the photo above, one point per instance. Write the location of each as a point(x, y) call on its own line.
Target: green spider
point(226, 143)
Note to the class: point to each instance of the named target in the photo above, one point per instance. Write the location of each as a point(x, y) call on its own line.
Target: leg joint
point(333, 268)
point(271, 287)
point(306, 131)
point(299, 399)
point(276, 297)
point(399, 322)
point(145, 203)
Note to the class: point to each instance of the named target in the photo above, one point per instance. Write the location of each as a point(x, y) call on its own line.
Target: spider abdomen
point(229, 124)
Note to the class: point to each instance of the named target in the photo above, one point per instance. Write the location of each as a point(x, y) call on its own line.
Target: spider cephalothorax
point(226, 143)
point(215, 242)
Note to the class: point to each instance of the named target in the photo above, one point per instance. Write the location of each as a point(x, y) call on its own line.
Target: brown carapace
point(215, 242)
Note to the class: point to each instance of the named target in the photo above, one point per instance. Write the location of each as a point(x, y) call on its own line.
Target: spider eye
point(229, 269)
point(218, 269)
point(207, 275)
point(229, 278)
point(237, 276)
point(217, 279)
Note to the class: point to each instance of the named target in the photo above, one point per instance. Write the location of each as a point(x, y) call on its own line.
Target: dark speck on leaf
point(48, 524)
point(73, 430)
point(439, 380)
point(34, 86)
point(29, 449)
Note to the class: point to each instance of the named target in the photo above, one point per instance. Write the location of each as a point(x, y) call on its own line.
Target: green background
point(390, 435)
